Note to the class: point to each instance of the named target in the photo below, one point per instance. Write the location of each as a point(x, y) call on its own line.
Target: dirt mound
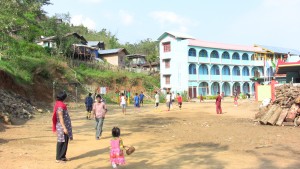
point(8, 83)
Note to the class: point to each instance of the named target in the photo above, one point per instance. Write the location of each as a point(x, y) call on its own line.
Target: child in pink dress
point(116, 149)
point(235, 100)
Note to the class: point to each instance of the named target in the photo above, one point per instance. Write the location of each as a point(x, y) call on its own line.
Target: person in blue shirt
point(142, 99)
point(136, 100)
point(89, 105)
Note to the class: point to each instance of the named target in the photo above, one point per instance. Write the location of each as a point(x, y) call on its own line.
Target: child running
point(116, 149)
point(179, 100)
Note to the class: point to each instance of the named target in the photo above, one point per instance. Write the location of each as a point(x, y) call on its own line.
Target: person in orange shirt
point(218, 104)
point(179, 100)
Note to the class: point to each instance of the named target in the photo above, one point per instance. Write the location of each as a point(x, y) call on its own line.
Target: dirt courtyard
point(194, 137)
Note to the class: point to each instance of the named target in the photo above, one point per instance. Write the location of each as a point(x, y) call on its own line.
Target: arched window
point(192, 69)
point(225, 55)
point(203, 70)
point(235, 56)
point(192, 52)
point(236, 71)
point(245, 56)
point(246, 71)
point(225, 70)
point(215, 70)
point(203, 53)
point(252, 57)
point(214, 54)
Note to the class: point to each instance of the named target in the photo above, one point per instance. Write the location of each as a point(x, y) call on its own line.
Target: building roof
point(280, 50)
point(93, 43)
point(52, 38)
point(112, 51)
point(175, 35)
point(194, 42)
point(285, 67)
point(135, 56)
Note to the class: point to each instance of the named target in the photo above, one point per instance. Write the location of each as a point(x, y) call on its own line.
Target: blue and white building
point(201, 67)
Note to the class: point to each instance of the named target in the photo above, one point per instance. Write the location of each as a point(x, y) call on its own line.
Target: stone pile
point(284, 110)
point(14, 106)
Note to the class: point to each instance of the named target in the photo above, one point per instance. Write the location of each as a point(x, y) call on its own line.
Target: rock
point(5, 118)
point(40, 110)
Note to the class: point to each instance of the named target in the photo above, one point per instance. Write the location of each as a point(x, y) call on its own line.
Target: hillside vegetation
point(22, 22)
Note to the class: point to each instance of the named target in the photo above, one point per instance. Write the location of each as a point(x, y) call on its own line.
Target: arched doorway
point(203, 89)
point(236, 88)
point(246, 88)
point(215, 88)
point(226, 88)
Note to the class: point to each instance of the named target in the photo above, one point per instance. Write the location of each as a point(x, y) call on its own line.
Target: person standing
point(142, 98)
point(172, 99)
point(218, 104)
point(156, 100)
point(99, 112)
point(201, 98)
point(123, 103)
point(179, 100)
point(89, 105)
point(168, 100)
point(136, 100)
point(62, 126)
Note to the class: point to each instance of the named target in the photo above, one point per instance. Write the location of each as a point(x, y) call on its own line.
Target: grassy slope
point(24, 60)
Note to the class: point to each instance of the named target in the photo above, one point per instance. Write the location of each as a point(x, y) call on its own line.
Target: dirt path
point(194, 137)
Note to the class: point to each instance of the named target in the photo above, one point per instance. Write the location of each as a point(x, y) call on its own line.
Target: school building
point(200, 67)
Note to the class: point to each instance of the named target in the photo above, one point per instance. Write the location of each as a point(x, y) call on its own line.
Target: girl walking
point(123, 103)
point(235, 100)
point(116, 149)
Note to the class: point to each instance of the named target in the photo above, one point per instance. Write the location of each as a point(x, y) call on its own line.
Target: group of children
point(170, 99)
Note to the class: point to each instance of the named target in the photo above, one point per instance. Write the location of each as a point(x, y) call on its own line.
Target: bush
point(210, 97)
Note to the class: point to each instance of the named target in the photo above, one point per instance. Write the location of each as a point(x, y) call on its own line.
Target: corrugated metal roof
point(93, 43)
point(111, 51)
point(280, 50)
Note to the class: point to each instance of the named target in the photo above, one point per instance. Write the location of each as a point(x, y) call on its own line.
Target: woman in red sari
point(218, 104)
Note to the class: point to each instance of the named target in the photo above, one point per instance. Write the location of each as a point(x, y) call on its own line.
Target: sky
point(244, 22)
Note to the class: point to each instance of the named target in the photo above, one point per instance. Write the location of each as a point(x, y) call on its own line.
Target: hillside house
point(114, 56)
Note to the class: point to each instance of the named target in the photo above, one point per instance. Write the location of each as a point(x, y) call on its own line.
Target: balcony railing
point(204, 77)
point(215, 77)
point(226, 78)
point(193, 59)
point(192, 77)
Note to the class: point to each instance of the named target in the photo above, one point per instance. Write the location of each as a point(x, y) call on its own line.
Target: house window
point(167, 79)
point(167, 64)
point(167, 47)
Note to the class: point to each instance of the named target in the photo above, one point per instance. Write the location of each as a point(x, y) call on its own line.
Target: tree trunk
point(273, 119)
point(266, 117)
point(282, 116)
point(292, 113)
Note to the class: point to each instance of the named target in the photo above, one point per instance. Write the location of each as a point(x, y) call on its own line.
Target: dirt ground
point(194, 137)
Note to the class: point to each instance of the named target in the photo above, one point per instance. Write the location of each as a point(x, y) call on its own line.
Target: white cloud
point(81, 20)
point(126, 17)
point(171, 19)
point(91, 1)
